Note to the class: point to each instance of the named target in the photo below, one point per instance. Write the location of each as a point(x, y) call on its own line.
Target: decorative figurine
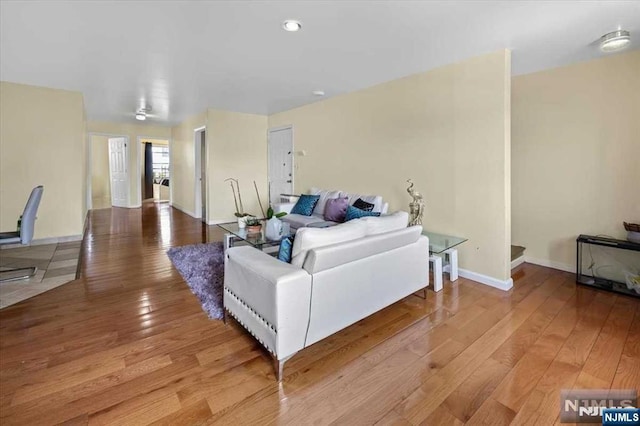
point(416, 207)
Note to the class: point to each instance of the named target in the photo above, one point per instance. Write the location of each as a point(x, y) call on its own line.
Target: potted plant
point(240, 214)
point(253, 225)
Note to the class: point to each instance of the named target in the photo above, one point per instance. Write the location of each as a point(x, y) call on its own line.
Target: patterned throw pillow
point(286, 248)
point(305, 205)
point(363, 205)
point(356, 213)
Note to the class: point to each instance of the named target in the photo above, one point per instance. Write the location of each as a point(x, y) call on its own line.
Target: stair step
point(516, 252)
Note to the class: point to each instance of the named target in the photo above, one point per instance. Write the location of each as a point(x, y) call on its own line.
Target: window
point(160, 161)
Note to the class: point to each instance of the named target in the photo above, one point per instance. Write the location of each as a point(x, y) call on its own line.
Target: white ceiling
point(182, 57)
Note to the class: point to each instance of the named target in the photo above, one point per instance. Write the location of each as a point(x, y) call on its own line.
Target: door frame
point(293, 158)
point(197, 172)
point(139, 140)
point(89, 194)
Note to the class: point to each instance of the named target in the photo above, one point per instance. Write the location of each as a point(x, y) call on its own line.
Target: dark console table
point(616, 267)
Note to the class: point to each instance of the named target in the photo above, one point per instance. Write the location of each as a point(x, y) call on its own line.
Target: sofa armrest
point(269, 297)
point(283, 207)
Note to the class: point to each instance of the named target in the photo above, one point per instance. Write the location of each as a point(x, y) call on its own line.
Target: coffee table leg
point(437, 272)
point(228, 241)
point(453, 264)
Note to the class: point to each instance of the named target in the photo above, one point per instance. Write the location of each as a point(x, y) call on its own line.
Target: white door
point(280, 163)
point(118, 172)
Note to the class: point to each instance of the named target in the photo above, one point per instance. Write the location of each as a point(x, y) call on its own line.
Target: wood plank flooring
point(128, 343)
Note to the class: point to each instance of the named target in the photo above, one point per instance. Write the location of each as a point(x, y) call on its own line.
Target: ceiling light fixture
point(142, 113)
point(616, 40)
point(318, 93)
point(291, 25)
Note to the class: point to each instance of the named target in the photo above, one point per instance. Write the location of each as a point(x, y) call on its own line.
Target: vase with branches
point(237, 200)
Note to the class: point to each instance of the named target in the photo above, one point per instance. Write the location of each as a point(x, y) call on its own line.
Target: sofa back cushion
point(327, 257)
point(376, 200)
point(386, 223)
point(310, 238)
point(322, 201)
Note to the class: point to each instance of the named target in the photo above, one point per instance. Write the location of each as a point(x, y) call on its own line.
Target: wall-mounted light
point(616, 40)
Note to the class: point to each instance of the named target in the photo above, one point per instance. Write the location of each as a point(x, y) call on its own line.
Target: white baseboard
point(487, 280)
point(517, 262)
point(43, 241)
point(551, 264)
point(183, 210)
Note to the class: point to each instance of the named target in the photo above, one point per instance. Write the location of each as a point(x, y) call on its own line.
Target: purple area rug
point(202, 267)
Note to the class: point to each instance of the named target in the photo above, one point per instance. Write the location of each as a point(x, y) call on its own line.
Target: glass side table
point(441, 247)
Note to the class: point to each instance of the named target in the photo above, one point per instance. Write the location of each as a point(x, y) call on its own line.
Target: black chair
point(24, 236)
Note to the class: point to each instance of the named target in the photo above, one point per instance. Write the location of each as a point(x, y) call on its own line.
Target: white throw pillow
point(310, 238)
point(386, 223)
point(322, 202)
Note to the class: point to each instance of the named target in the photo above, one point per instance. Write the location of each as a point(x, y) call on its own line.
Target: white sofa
point(337, 276)
point(317, 217)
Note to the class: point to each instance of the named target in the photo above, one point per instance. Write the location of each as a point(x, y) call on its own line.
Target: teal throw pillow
point(356, 213)
point(305, 205)
point(286, 247)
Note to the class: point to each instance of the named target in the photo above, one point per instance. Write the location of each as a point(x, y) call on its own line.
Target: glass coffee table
point(235, 234)
point(441, 247)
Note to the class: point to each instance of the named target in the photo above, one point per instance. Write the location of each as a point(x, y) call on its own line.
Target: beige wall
point(182, 153)
point(132, 130)
point(576, 155)
point(237, 148)
point(42, 141)
point(447, 129)
point(100, 180)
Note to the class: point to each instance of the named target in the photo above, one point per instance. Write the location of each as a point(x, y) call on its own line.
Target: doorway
point(280, 147)
point(200, 145)
point(154, 170)
point(109, 171)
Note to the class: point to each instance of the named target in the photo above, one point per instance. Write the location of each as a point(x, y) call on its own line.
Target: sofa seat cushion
point(299, 221)
point(310, 238)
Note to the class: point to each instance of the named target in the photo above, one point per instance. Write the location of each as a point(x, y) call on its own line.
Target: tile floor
point(57, 264)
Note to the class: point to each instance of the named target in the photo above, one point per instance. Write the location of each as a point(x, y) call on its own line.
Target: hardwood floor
point(128, 343)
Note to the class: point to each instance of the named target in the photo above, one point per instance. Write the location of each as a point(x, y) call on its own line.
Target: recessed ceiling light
point(141, 116)
point(318, 93)
point(616, 40)
point(291, 25)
